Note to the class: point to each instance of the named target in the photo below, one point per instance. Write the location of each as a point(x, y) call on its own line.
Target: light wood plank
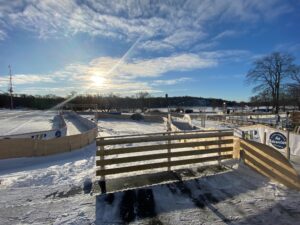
point(163, 146)
point(162, 156)
point(158, 165)
point(162, 138)
point(164, 133)
point(271, 173)
point(268, 152)
point(270, 163)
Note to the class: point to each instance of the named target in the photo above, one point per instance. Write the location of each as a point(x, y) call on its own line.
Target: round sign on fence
point(278, 140)
point(58, 133)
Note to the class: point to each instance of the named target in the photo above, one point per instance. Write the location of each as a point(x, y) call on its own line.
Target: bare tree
point(296, 75)
point(294, 88)
point(141, 97)
point(270, 73)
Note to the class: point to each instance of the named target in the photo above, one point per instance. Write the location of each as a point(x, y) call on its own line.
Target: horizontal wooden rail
point(163, 133)
point(162, 138)
point(159, 165)
point(216, 146)
point(162, 156)
point(270, 163)
point(162, 146)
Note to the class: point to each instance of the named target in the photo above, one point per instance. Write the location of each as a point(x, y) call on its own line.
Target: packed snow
point(74, 126)
point(212, 125)
point(59, 190)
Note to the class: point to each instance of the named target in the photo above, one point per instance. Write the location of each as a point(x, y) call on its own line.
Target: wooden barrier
point(171, 153)
point(270, 163)
point(25, 147)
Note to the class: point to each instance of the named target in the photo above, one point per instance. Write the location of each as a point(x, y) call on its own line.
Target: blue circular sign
point(278, 140)
point(58, 133)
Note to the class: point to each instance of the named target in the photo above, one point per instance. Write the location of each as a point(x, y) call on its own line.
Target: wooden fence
point(164, 150)
point(25, 147)
point(269, 163)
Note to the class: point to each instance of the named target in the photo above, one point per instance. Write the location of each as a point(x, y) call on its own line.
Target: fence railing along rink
point(162, 150)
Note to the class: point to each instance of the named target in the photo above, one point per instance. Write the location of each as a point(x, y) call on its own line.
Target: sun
point(97, 80)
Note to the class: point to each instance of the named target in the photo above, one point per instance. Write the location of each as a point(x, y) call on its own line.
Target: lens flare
point(98, 80)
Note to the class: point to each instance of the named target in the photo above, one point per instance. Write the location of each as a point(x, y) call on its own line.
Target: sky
point(198, 48)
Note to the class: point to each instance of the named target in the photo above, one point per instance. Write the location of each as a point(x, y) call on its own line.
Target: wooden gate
point(131, 153)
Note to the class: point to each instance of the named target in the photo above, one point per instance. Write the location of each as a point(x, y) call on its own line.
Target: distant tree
point(270, 73)
point(293, 89)
point(141, 97)
point(296, 76)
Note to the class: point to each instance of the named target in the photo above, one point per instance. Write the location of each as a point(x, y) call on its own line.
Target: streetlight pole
point(10, 89)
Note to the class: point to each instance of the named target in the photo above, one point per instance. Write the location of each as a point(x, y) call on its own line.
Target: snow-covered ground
point(74, 126)
point(55, 190)
point(26, 121)
point(212, 125)
point(114, 127)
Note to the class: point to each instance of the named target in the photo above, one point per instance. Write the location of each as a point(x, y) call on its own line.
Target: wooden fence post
point(236, 148)
point(219, 151)
point(102, 182)
point(169, 152)
point(288, 150)
point(243, 135)
point(265, 138)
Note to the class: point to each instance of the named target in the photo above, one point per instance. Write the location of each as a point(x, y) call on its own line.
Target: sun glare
point(97, 80)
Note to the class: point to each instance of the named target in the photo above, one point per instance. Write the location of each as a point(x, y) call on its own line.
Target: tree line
point(142, 100)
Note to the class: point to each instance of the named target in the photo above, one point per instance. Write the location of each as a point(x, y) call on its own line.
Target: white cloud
point(125, 78)
point(3, 35)
point(135, 68)
point(171, 81)
point(184, 37)
point(20, 79)
point(163, 24)
point(156, 46)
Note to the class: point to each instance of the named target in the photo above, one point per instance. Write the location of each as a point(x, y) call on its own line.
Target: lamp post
point(224, 107)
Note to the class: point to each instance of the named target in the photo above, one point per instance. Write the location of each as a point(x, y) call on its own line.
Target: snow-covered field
point(58, 190)
point(26, 121)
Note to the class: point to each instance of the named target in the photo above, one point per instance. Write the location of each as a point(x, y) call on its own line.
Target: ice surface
point(26, 121)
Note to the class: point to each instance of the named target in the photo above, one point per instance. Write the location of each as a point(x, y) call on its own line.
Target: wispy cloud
point(165, 24)
point(226, 34)
point(3, 35)
point(171, 81)
point(288, 47)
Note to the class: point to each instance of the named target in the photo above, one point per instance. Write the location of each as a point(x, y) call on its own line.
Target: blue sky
point(196, 48)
